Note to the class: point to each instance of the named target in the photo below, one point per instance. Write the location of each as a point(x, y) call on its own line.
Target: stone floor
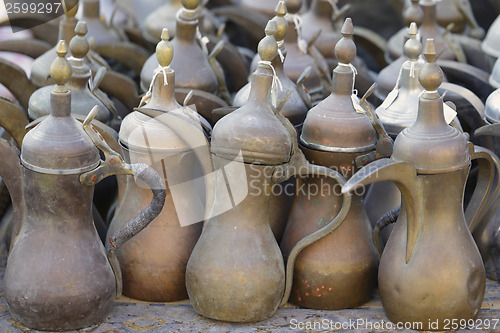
point(130, 316)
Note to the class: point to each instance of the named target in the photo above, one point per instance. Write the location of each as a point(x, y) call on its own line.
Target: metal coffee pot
point(490, 44)
point(431, 268)
point(195, 69)
point(458, 13)
point(160, 133)
point(299, 101)
point(340, 270)
point(236, 271)
point(40, 71)
point(447, 46)
point(302, 54)
point(102, 33)
point(58, 275)
point(323, 15)
point(162, 17)
point(85, 91)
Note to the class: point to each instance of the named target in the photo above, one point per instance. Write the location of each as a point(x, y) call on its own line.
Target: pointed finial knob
point(268, 48)
point(70, 8)
point(79, 45)
point(431, 75)
point(164, 49)
point(293, 6)
point(190, 4)
point(413, 47)
point(345, 49)
point(414, 13)
point(60, 69)
point(281, 23)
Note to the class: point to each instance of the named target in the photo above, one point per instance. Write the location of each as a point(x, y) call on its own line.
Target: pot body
point(340, 270)
point(236, 271)
point(58, 276)
point(444, 277)
point(154, 262)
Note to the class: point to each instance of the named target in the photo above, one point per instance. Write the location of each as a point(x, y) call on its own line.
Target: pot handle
point(299, 166)
point(115, 165)
point(486, 190)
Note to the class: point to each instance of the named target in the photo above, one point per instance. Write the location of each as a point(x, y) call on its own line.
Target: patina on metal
point(58, 275)
point(154, 265)
point(297, 104)
point(236, 271)
point(85, 91)
point(447, 46)
point(340, 270)
point(431, 269)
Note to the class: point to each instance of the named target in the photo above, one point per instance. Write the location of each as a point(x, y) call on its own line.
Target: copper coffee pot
point(431, 269)
point(58, 275)
point(85, 91)
point(340, 270)
point(299, 101)
point(236, 271)
point(447, 46)
point(152, 271)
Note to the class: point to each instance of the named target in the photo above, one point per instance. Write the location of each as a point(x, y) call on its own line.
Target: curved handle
point(484, 192)
point(115, 165)
point(299, 163)
point(387, 219)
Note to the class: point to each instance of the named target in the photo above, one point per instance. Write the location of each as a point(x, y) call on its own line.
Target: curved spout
point(404, 175)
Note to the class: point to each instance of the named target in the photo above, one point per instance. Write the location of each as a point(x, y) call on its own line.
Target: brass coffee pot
point(58, 275)
point(85, 91)
point(302, 54)
point(340, 270)
point(192, 65)
point(151, 270)
point(446, 45)
point(299, 101)
point(388, 77)
point(162, 17)
point(99, 30)
point(458, 13)
point(431, 269)
point(236, 271)
point(323, 15)
point(40, 70)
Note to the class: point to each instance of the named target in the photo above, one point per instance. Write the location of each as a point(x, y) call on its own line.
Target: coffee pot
point(431, 269)
point(155, 133)
point(490, 42)
point(299, 101)
point(195, 68)
point(263, 7)
point(58, 275)
point(236, 271)
point(40, 70)
point(303, 54)
point(99, 30)
point(84, 89)
point(458, 13)
point(340, 270)
point(446, 45)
